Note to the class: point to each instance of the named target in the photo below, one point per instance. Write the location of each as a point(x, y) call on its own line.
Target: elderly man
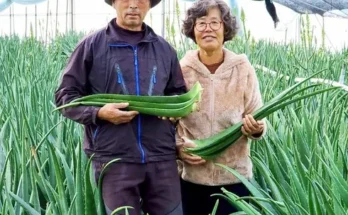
point(127, 57)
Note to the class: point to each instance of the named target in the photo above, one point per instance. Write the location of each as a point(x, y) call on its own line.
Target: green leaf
point(80, 206)
point(101, 207)
point(125, 208)
point(63, 205)
point(215, 207)
point(90, 206)
point(269, 181)
point(255, 192)
point(25, 205)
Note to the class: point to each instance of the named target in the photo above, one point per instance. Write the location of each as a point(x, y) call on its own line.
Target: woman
point(231, 93)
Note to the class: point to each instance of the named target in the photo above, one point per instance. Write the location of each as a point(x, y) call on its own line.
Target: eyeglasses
point(214, 25)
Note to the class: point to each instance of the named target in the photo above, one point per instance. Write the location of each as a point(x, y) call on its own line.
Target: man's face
point(131, 13)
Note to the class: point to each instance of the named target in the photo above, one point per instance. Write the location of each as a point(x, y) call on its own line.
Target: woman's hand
point(172, 119)
point(251, 127)
point(186, 157)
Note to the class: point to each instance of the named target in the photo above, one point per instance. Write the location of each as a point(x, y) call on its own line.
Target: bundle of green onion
point(211, 147)
point(165, 106)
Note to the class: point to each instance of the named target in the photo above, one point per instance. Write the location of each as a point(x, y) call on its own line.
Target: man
point(127, 57)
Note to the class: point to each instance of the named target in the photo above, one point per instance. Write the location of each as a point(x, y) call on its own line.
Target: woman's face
point(209, 37)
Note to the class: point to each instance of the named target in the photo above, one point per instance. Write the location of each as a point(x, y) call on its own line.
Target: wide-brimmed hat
point(153, 2)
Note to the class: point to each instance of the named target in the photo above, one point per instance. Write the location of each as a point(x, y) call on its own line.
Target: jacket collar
point(231, 60)
point(113, 35)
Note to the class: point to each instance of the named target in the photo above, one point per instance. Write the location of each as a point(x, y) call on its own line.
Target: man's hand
point(251, 127)
point(188, 158)
point(113, 114)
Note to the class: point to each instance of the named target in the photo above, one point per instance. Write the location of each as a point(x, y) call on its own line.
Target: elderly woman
point(231, 93)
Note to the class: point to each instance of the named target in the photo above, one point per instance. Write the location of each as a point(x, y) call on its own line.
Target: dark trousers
point(197, 200)
point(157, 184)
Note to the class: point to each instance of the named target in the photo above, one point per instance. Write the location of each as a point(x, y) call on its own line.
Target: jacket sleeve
point(74, 84)
point(176, 84)
point(252, 96)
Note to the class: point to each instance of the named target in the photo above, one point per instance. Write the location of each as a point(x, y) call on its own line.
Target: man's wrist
point(96, 115)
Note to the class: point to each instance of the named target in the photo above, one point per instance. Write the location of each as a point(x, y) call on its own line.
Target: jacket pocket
point(152, 81)
point(120, 79)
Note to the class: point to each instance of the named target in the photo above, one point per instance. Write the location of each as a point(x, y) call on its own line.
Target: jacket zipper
point(152, 81)
point(211, 105)
point(136, 66)
point(135, 49)
point(212, 100)
point(120, 79)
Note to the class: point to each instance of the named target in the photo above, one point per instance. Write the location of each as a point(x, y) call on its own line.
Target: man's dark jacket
point(103, 63)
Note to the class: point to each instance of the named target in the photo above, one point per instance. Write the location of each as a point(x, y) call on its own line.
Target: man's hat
point(153, 2)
